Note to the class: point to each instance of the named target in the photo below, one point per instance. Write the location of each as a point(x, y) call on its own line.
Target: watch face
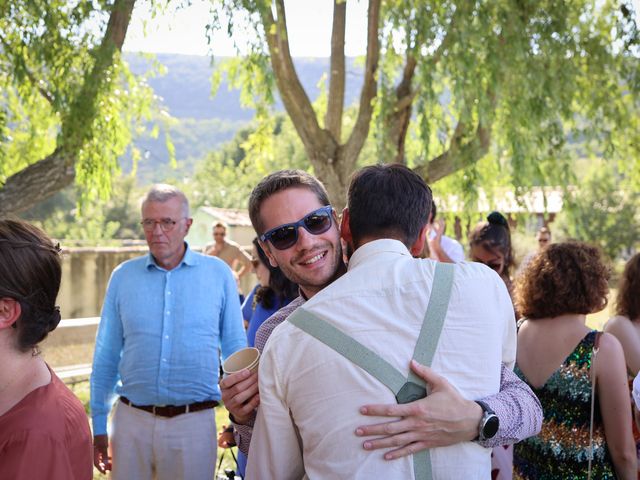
point(490, 427)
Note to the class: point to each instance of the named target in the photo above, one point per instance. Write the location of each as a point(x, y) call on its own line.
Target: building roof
point(231, 216)
point(535, 200)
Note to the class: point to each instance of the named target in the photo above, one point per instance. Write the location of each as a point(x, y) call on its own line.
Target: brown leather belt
point(170, 411)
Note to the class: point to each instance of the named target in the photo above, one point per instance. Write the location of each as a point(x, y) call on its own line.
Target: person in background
point(441, 247)
point(273, 292)
point(165, 317)
point(625, 326)
point(543, 237)
point(44, 431)
point(490, 243)
point(237, 259)
point(559, 357)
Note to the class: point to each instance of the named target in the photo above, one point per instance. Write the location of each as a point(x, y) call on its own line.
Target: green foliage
point(65, 89)
point(99, 223)
point(535, 76)
point(226, 177)
point(604, 211)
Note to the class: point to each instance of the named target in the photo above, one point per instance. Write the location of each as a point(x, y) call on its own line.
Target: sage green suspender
point(405, 389)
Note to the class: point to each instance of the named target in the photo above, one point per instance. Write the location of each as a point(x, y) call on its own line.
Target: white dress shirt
point(310, 395)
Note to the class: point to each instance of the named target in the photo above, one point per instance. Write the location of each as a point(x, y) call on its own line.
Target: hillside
point(205, 122)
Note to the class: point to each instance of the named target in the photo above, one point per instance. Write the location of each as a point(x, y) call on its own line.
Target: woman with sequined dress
point(558, 288)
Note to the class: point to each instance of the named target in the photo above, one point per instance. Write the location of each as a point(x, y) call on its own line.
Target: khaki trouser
point(146, 447)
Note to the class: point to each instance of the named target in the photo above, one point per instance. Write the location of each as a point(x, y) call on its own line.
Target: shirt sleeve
point(518, 409)
point(276, 452)
point(36, 456)
point(247, 305)
point(243, 434)
point(454, 251)
point(106, 356)
point(232, 334)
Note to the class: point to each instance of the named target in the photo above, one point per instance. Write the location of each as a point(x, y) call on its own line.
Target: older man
point(164, 318)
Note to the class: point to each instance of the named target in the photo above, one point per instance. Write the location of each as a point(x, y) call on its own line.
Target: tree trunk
point(36, 183)
point(332, 160)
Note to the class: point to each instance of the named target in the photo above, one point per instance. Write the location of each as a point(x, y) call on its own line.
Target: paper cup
point(246, 358)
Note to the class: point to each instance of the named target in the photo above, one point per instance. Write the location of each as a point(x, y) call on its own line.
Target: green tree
point(604, 211)
point(67, 99)
point(447, 82)
point(226, 177)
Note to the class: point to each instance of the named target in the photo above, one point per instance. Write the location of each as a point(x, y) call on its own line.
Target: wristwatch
point(488, 424)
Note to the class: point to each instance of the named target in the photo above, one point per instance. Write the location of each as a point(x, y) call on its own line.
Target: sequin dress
point(560, 450)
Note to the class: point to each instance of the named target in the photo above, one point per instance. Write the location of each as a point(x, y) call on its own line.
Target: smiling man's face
point(313, 261)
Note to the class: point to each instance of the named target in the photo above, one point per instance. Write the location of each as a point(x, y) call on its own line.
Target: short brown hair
point(277, 182)
point(564, 278)
point(219, 225)
point(30, 273)
point(628, 299)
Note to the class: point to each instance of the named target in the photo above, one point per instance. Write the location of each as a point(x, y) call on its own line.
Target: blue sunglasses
point(285, 236)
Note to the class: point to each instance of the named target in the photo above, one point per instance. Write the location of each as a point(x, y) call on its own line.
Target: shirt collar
point(189, 258)
point(376, 247)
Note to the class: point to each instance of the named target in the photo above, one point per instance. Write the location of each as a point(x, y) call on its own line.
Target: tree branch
point(36, 83)
point(459, 155)
point(369, 88)
point(36, 183)
point(294, 97)
point(84, 109)
point(335, 101)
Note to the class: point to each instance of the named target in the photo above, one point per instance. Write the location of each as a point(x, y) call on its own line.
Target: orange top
point(46, 435)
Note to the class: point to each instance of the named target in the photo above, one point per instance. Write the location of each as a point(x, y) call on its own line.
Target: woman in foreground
point(44, 431)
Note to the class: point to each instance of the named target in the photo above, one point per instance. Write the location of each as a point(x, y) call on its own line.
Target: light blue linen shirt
point(160, 333)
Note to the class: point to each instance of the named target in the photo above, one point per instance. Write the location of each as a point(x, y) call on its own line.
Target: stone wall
point(86, 273)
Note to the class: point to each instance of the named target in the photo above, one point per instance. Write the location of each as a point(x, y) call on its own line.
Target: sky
point(308, 21)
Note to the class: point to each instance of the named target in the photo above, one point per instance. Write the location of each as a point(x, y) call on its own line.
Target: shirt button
point(168, 293)
point(164, 359)
point(167, 337)
point(168, 312)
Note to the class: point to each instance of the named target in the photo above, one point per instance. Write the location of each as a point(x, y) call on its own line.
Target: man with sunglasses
point(165, 317)
point(299, 232)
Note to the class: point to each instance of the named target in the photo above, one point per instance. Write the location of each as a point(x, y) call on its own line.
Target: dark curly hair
point(30, 273)
point(565, 278)
point(280, 287)
point(628, 299)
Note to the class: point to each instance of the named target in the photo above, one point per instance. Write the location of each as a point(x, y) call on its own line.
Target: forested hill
point(205, 122)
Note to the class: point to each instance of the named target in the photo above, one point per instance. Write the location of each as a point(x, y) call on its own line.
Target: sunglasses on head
point(285, 236)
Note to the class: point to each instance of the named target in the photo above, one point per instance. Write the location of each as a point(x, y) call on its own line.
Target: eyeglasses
point(166, 224)
point(285, 236)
